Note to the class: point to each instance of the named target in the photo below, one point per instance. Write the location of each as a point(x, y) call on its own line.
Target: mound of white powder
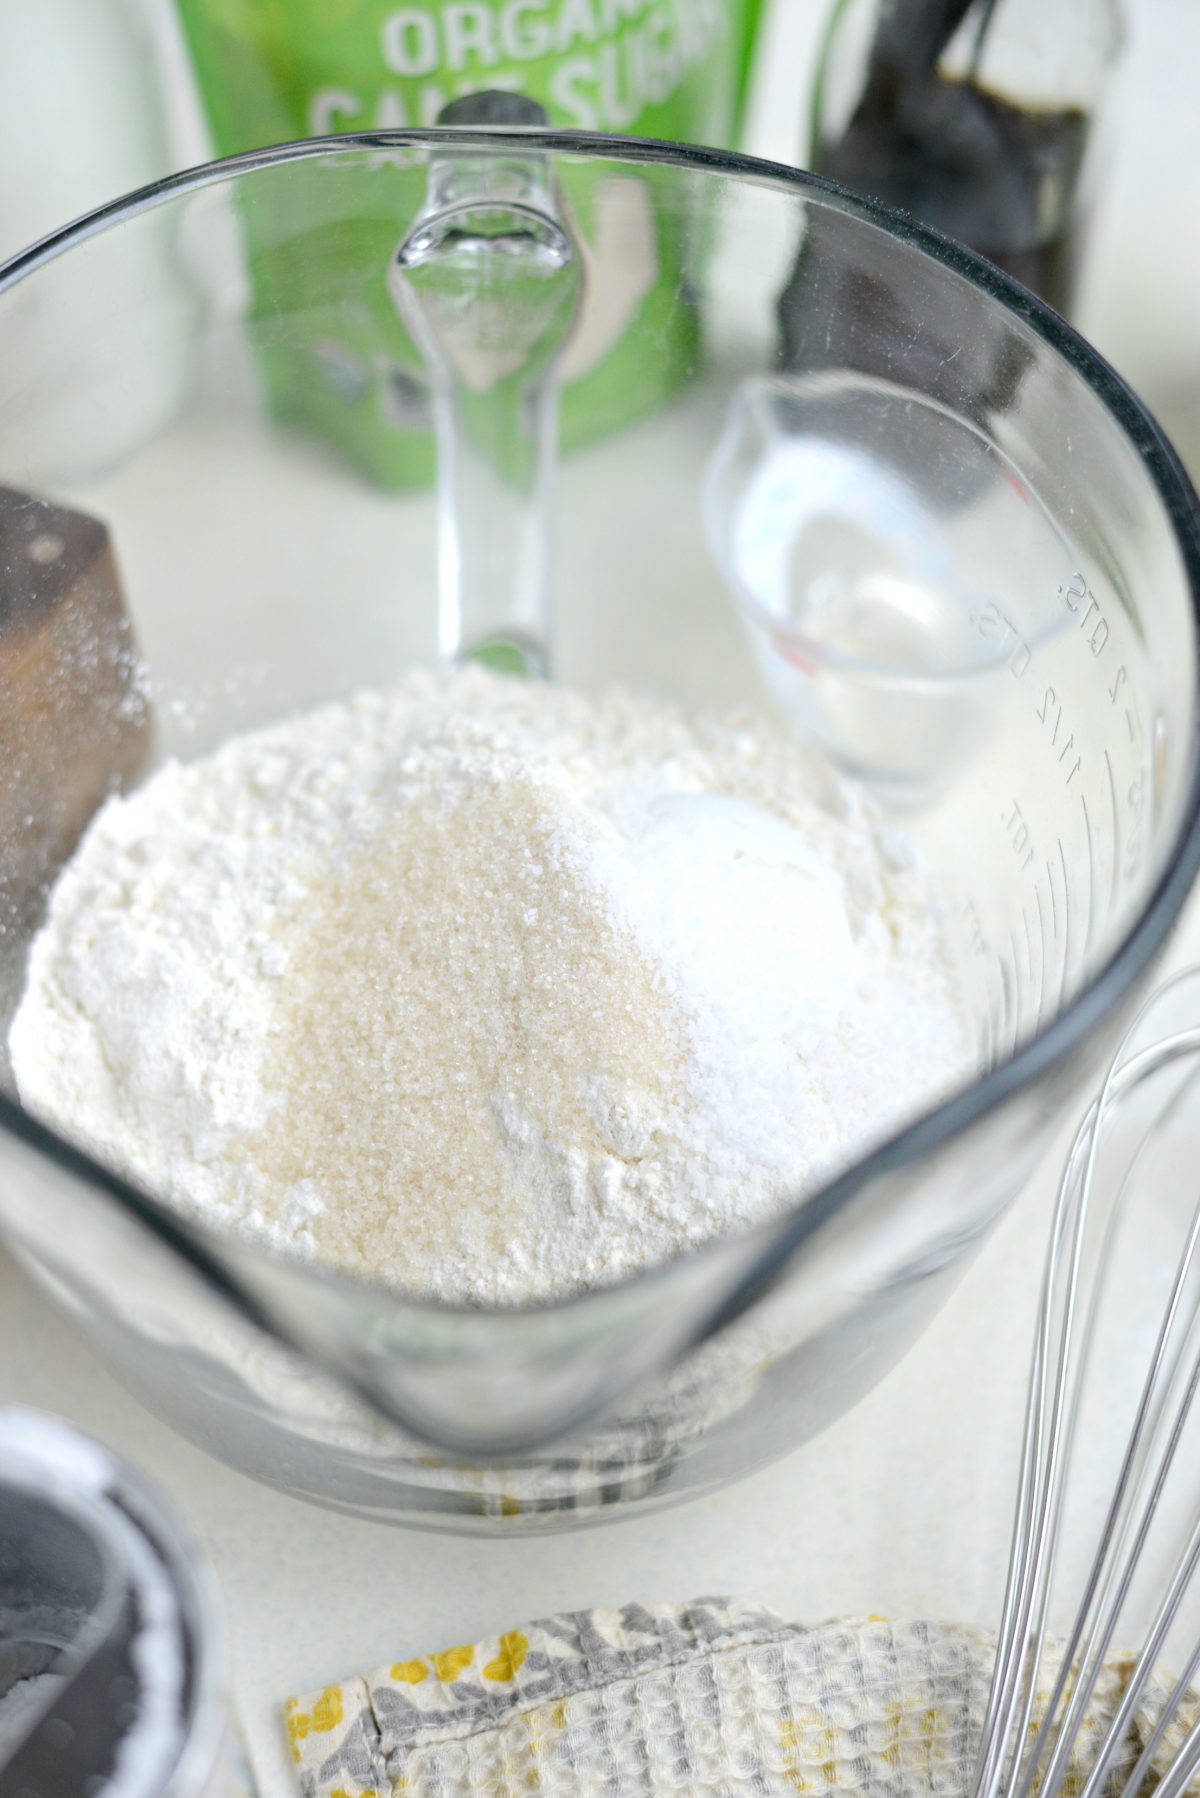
point(489, 988)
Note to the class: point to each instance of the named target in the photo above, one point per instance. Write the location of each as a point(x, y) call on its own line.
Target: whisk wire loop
point(1020, 1752)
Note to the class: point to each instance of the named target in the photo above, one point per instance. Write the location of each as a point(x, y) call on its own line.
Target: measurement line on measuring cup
point(1062, 989)
point(1053, 903)
point(1012, 987)
point(1000, 1006)
point(1025, 989)
point(1017, 987)
point(1035, 982)
point(1087, 825)
point(989, 1016)
point(1037, 893)
point(1116, 864)
point(1005, 1019)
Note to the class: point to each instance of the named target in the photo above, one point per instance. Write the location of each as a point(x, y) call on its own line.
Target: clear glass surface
point(944, 542)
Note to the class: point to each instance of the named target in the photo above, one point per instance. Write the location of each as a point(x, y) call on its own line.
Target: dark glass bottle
point(973, 116)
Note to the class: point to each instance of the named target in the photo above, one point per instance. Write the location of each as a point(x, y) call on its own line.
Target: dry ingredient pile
point(489, 988)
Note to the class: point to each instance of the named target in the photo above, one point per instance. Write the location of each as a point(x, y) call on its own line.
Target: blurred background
point(100, 96)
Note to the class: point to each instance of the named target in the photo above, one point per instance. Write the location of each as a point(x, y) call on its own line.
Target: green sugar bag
point(333, 352)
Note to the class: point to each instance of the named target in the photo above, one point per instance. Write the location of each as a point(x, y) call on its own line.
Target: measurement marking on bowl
point(1050, 713)
point(1020, 989)
point(1035, 980)
point(1053, 903)
point(1009, 966)
point(1062, 989)
point(995, 1011)
point(1116, 854)
point(1005, 1017)
point(1012, 971)
point(1037, 894)
point(1017, 827)
point(989, 1038)
point(1091, 862)
point(1017, 990)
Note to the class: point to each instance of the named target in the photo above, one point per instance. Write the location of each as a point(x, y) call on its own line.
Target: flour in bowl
point(488, 988)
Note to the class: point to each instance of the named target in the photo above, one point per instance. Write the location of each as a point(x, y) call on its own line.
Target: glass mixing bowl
point(812, 459)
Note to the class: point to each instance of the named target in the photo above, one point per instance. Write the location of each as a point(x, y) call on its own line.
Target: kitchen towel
point(712, 1698)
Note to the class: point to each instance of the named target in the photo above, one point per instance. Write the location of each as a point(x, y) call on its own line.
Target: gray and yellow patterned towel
point(715, 1698)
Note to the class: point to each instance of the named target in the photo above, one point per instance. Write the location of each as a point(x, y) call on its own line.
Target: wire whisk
point(1027, 1744)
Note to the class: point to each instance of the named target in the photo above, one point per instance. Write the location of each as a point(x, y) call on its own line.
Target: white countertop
point(312, 1596)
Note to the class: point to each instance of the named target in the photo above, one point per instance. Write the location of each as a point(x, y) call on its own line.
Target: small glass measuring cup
point(857, 522)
